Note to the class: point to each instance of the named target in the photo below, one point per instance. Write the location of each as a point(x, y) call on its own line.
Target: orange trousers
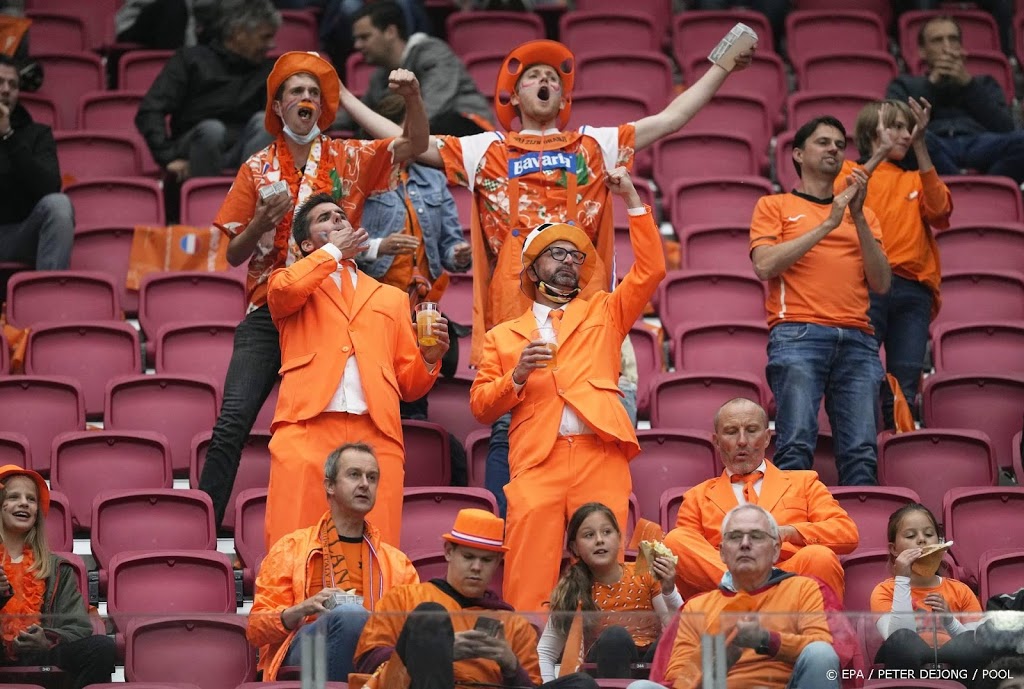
point(296, 497)
point(580, 469)
point(700, 567)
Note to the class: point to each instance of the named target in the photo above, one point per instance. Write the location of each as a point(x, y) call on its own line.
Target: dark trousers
point(614, 652)
point(89, 661)
point(906, 650)
point(425, 647)
point(251, 376)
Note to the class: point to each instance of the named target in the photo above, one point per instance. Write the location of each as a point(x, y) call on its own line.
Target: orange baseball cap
point(10, 470)
point(478, 529)
point(297, 62)
point(551, 53)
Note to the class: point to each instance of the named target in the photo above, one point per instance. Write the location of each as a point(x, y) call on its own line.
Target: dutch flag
point(188, 244)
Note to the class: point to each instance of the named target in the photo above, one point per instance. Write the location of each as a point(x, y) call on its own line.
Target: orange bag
point(176, 247)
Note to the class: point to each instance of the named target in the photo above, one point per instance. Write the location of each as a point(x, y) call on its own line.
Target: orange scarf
point(317, 175)
point(23, 610)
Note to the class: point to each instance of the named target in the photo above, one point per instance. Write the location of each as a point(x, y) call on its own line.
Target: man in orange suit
point(813, 528)
point(348, 353)
point(570, 438)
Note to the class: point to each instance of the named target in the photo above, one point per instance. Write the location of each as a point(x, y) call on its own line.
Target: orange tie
point(348, 290)
point(556, 319)
point(748, 480)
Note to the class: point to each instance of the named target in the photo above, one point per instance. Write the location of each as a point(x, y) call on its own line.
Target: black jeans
point(251, 376)
point(906, 650)
point(89, 661)
point(614, 652)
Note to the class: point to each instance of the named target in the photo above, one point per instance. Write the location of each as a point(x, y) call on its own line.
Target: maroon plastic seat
point(660, 11)
point(644, 73)
point(358, 73)
point(201, 349)
point(483, 67)
point(477, 444)
point(861, 71)
point(990, 246)
point(69, 74)
point(870, 507)
point(211, 652)
point(429, 512)
point(177, 406)
point(91, 352)
point(55, 31)
point(844, 105)
point(719, 153)
point(87, 463)
point(427, 454)
point(599, 107)
point(470, 32)
point(250, 516)
point(42, 407)
point(978, 520)
point(740, 347)
point(138, 69)
point(98, 17)
point(298, 31)
point(253, 468)
point(723, 200)
point(87, 155)
point(42, 109)
point(668, 510)
point(765, 79)
point(970, 297)
point(982, 199)
point(449, 407)
point(106, 250)
point(978, 348)
point(189, 297)
point(49, 296)
point(457, 301)
point(1000, 572)
point(809, 32)
point(690, 400)
point(140, 201)
point(59, 532)
point(598, 32)
point(649, 363)
point(697, 32)
point(201, 198)
point(716, 247)
point(1018, 461)
point(14, 448)
point(750, 113)
point(691, 298)
point(669, 457)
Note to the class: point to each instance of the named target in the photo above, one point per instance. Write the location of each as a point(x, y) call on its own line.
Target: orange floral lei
point(26, 605)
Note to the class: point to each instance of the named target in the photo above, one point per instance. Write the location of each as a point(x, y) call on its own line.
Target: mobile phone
point(489, 626)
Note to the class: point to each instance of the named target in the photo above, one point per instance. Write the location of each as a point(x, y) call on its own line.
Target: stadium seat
point(470, 32)
point(992, 246)
point(177, 406)
point(250, 516)
point(59, 531)
point(765, 78)
point(978, 520)
point(253, 469)
point(607, 109)
point(691, 298)
point(477, 445)
point(810, 33)
point(201, 349)
point(42, 109)
point(716, 247)
point(647, 347)
point(153, 519)
point(716, 200)
point(596, 32)
point(97, 16)
point(41, 408)
point(189, 297)
point(879, 8)
point(483, 67)
point(457, 301)
point(980, 296)
point(668, 511)
point(5, 355)
point(669, 457)
point(864, 570)
point(696, 33)
point(870, 508)
point(14, 449)
point(620, 216)
point(429, 512)
point(201, 198)
point(298, 31)
point(449, 407)
point(140, 201)
point(690, 400)
point(660, 11)
point(84, 155)
point(61, 296)
point(694, 154)
point(210, 652)
point(647, 74)
point(427, 454)
point(824, 459)
point(1000, 572)
point(1017, 450)
point(983, 199)
point(358, 73)
point(978, 347)
point(107, 111)
point(740, 347)
point(81, 579)
point(91, 352)
point(844, 105)
point(433, 564)
point(138, 69)
point(86, 463)
point(56, 31)
point(978, 30)
point(69, 74)
point(860, 71)
point(106, 250)
point(751, 114)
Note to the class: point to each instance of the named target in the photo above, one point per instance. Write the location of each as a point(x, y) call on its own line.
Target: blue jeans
point(496, 472)
point(806, 361)
point(994, 153)
point(44, 237)
point(342, 627)
point(251, 375)
point(900, 319)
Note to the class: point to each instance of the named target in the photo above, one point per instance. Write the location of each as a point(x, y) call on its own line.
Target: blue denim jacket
point(384, 214)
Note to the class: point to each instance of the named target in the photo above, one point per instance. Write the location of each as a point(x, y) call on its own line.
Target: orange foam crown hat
point(551, 53)
point(298, 62)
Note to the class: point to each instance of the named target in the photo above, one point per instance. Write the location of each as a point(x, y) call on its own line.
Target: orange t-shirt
point(632, 593)
point(354, 170)
point(959, 598)
point(909, 204)
point(827, 285)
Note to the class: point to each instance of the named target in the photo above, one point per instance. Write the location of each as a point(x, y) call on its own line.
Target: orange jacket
point(794, 498)
point(587, 375)
point(285, 580)
point(318, 334)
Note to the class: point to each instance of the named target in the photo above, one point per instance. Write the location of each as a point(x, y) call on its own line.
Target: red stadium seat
point(97, 16)
point(696, 33)
point(477, 445)
point(91, 352)
point(470, 32)
point(719, 200)
point(978, 347)
point(660, 11)
point(70, 74)
point(690, 298)
point(765, 78)
point(298, 31)
point(669, 457)
point(483, 66)
point(751, 114)
point(668, 512)
point(978, 30)
point(42, 109)
point(429, 512)
point(201, 349)
point(688, 400)
point(803, 106)
point(824, 459)
point(607, 109)
point(81, 578)
point(1000, 572)
point(983, 199)
point(449, 407)
point(812, 32)
point(56, 31)
point(694, 154)
point(86, 463)
point(620, 216)
point(250, 517)
point(864, 571)
point(977, 520)
point(647, 74)
point(5, 355)
point(861, 71)
point(59, 531)
point(106, 249)
point(253, 470)
point(139, 201)
point(177, 406)
point(358, 73)
point(980, 296)
point(61, 296)
point(138, 69)
point(740, 347)
point(716, 247)
point(879, 8)
point(189, 297)
point(1017, 447)
point(993, 246)
point(647, 347)
point(201, 198)
point(41, 408)
point(428, 455)
point(108, 111)
point(596, 32)
point(84, 155)
point(457, 301)
point(210, 652)
point(14, 449)
point(870, 507)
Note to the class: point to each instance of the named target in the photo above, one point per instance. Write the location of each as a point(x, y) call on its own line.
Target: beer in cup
point(548, 336)
point(426, 315)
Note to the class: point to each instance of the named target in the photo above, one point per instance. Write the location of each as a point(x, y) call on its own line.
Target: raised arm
point(415, 134)
point(380, 127)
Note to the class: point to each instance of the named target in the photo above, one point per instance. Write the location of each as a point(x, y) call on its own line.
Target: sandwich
point(927, 564)
point(650, 550)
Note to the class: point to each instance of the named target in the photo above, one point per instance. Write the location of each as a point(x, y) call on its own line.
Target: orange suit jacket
point(587, 375)
point(795, 498)
point(318, 334)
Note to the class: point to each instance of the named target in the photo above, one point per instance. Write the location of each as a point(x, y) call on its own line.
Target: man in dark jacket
point(37, 222)
point(972, 126)
point(214, 95)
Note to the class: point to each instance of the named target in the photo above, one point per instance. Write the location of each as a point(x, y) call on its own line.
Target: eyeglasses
point(559, 254)
point(736, 537)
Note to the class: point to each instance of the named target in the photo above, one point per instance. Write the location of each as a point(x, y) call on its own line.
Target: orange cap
point(478, 529)
point(551, 53)
point(10, 470)
point(298, 62)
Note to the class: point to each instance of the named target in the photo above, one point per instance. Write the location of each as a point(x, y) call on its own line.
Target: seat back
point(429, 512)
point(470, 32)
point(811, 32)
point(48, 296)
point(692, 298)
point(977, 296)
point(449, 407)
point(253, 469)
point(992, 246)
point(989, 404)
point(750, 113)
point(457, 301)
point(1000, 572)
point(427, 445)
point(863, 571)
point(669, 457)
point(647, 348)
point(56, 31)
point(765, 78)
point(97, 154)
point(298, 31)
point(697, 32)
point(42, 407)
point(106, 249)
point(668, 511)
point(740, 347)
point(688, 400)
point(824, 459)
point(863, 71)
point(139, 201)
point(138, 69)
point(703, 154)
point(210, 652)
point(870, 507)
point(189, 297)
point(201, 349)
point(647, 74)
point(978, 348)
point(14, 448)
point(715, 200)
point(716, 247)
point(975, 519)
point(188, 582)
point(201, 198)
point(483, 67)
point(59, 531)
point(844, 105)
point(983, 199)
point(42, 109)
point(69, 74)
point(250, 540)
point(358, 73)
point(477, 445)
point(606, 109)
point(595, 31)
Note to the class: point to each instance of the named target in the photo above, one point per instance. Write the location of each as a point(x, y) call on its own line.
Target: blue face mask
point(302, 140)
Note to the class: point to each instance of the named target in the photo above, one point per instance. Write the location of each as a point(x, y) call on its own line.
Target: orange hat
point(551, 53)
point(478, 529)
point(10, 470)
point(296, 62)
point(544, 236)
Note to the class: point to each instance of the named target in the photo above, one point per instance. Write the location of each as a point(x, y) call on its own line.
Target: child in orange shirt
point(598, 582)
point(913, 641)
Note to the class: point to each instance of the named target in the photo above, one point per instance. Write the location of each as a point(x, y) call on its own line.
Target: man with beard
point(820, 254)
point(570, 438)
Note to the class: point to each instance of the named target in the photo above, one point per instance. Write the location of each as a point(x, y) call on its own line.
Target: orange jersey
point(909, 205)
point(632, 593)
point(959, 598)
point(827, 285)
point(348, 169)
